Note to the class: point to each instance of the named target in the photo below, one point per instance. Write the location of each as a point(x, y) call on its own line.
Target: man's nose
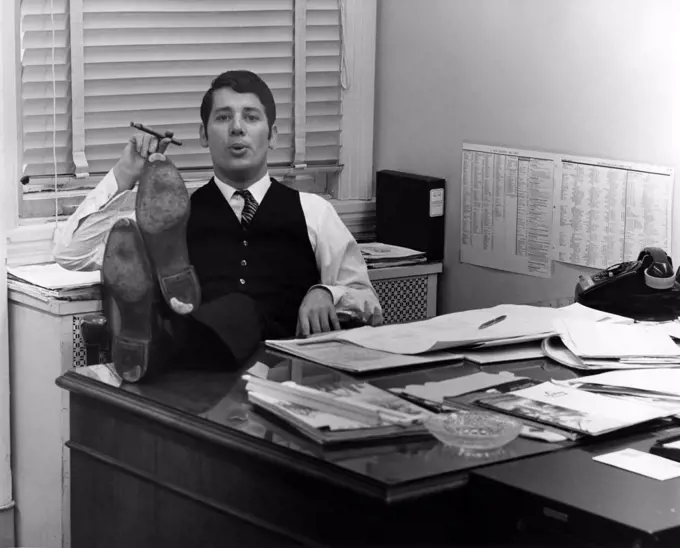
point(236, 127)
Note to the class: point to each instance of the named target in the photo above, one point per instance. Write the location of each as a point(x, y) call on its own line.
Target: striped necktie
point(249, 207)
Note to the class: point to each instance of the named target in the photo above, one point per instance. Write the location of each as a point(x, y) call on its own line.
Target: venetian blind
point(323, 64)
point(45, 87)
point(151, 61)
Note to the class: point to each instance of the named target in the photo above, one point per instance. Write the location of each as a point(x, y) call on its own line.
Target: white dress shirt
point(79, 242)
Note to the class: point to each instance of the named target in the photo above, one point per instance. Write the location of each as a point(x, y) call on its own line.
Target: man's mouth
point(237, 147)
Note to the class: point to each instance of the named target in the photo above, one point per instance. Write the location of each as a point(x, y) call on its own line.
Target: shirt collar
point(258, 189)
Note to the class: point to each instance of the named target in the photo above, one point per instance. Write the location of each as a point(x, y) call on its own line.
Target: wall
point(579, 77)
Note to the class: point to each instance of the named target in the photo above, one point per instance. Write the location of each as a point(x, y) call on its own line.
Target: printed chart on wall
point(608, 212)
point(507, 209)
point(521, 209)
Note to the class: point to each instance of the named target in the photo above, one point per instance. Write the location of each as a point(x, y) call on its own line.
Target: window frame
point(29, 239)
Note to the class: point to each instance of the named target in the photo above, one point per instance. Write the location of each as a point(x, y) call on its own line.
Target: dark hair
point(241, 81)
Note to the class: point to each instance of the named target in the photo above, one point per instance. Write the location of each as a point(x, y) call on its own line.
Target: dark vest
point(272, 261)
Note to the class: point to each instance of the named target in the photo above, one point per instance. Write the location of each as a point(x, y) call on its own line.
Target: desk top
point(213, 405)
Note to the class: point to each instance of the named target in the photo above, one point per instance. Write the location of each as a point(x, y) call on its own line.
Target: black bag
point(646, 289)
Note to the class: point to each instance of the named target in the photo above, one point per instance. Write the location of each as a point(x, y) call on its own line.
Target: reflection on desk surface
point(220, 398)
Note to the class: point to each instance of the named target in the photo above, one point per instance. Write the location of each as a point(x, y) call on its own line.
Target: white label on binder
point(436, 202)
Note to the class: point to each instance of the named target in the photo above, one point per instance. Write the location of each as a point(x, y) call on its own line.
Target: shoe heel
point(131, 358)
point(181, 291)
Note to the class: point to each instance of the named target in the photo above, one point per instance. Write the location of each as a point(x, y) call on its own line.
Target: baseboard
point(7, 538)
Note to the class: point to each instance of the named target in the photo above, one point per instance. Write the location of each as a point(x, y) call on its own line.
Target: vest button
point(245, 243)
point(243, 282)
point(244, 263)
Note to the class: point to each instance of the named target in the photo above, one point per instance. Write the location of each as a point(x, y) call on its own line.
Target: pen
point(153, 132)
point(492, 322)
point(422, 402)
point(625, 390)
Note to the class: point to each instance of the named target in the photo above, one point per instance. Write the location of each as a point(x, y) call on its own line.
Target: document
point(357, 359)
point(507, 209)
point(574, 409)
point(639, 462)
point(608, 212)
point(506, 353)
point(436, 391)
point(508, 324)
point(605, 340)
point(522, 209)
point(448, 331)
point(662, 380)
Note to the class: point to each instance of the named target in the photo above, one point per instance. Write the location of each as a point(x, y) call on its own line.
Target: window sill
point(31, 241)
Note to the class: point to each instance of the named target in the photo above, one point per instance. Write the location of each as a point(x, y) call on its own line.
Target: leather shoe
point(128, 277)
point(162, 211)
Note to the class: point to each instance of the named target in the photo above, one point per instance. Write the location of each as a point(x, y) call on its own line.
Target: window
point(87, 68)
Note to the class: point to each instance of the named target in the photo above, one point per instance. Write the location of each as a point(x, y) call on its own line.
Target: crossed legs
point(155, 290)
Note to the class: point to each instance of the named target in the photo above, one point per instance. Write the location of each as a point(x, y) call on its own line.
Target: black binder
point(410, 212)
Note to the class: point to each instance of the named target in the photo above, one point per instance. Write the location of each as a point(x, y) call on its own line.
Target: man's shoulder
point(314, 200)
point(202, 193)
point(307, 199)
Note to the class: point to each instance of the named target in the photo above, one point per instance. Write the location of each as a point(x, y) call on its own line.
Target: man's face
point(237, 135)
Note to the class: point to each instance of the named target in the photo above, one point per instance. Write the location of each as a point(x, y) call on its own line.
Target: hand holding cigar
point(150, 131)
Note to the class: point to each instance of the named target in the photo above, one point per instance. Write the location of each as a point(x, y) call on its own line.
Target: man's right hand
point(129, 167)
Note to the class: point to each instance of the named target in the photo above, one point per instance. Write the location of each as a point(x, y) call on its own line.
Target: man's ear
point(203, 135)
point(272, 137)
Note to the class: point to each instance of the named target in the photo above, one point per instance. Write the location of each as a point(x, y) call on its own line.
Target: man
point(269, 262)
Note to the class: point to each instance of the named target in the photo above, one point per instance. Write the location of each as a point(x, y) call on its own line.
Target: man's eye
point(222, 117)
point(252, 117)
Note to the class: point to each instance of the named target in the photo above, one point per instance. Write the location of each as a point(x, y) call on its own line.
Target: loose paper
point(587, 339)
point(639, 462)
point(658, 379)
point(436, 391)
point(591, 413)
point(53, 276)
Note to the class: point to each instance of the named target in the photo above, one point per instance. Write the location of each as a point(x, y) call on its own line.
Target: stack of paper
point(514, 323)
point(486, 335)
point(379, 255)
point(614, 345)
point(345, 410)
point(46, 281)
point(574, 409)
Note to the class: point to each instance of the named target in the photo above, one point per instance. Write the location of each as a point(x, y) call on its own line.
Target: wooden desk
point(45, 342)
point(186, 461)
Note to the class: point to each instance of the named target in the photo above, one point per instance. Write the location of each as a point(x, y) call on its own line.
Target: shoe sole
point(127, 273)
point(162, 209)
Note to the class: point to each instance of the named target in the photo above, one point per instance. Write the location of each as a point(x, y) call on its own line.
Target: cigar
point(153, 132)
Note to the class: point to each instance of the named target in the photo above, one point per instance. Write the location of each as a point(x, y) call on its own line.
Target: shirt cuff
point(336, 292)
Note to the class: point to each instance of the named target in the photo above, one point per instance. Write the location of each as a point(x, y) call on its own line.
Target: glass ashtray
point(473, 431)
